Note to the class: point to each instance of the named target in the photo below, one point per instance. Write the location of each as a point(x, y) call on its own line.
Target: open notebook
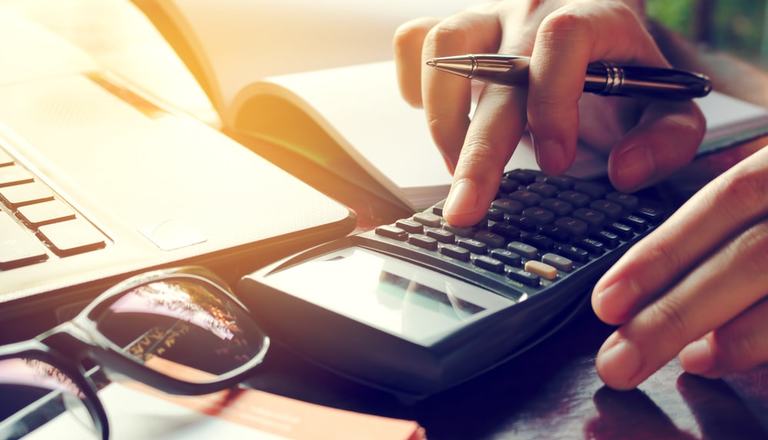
point(258, 62)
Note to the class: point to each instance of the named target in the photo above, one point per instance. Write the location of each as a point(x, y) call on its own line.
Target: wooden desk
point(551, 392)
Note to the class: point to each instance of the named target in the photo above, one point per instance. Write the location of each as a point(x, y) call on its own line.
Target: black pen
point(601, 77)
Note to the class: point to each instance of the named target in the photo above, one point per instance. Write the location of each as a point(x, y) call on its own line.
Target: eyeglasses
point(180, 330)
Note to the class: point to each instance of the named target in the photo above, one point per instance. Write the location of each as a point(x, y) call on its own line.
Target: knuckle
point(752, 249)
point(478, 155)
point(450, 34)
point(744, 191)
point(666, 314)
point(566, 24)
point(664, 253)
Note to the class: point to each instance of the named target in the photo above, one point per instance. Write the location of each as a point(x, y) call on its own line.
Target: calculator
point(419, 306)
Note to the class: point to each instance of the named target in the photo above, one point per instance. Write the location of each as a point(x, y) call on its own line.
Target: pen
point(602, 77)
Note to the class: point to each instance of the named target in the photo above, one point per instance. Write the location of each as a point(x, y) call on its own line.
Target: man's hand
point(647, 140)
point(697, 286)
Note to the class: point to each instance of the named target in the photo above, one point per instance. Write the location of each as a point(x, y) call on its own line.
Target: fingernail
point(614, 302)
point(619, 365)
point(462, 199)
point(697, 357)
point(550, 155)
point(635, 166)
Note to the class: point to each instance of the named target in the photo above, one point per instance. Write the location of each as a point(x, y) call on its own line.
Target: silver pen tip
point(431, 63)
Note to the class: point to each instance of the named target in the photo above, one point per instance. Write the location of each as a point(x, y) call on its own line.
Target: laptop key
point(47, 212)
point(18, 247)
point(72, 237)
point(14, 175)
point(26, 194)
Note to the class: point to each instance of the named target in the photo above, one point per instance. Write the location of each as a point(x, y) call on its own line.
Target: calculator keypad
point(538, 230)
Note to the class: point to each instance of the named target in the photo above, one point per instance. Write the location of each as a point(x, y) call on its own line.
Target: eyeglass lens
point(186, 329)
point(24, 381)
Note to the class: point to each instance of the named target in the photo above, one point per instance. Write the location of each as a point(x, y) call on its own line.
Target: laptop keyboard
point(36, 225)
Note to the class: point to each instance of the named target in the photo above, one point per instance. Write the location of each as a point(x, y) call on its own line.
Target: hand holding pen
point(646, 139)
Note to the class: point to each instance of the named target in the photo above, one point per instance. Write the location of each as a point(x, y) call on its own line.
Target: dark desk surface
point(551, 392)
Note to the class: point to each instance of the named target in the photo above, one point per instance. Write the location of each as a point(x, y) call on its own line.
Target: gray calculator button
point(461, 231)
point(428, 219)
point(611, 209)
point(523, 249)
point(522, 276)
point(410, 226)
point(423, 242)
point(628, 201)
point(527, 198)
point(489, 263)
point(507, 205)
point(441, 235)
point(475, 246)
point(456, 252)
point(543, 189)
point(392, 232)
point(557, 261)
point(507, 256)
point(491, 239)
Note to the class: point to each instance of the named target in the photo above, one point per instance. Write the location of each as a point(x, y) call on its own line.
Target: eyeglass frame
point(80, 338)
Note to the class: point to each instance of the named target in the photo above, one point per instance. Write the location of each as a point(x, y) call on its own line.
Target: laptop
point(98, 182)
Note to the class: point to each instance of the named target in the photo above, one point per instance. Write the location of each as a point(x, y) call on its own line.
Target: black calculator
point(420, 305)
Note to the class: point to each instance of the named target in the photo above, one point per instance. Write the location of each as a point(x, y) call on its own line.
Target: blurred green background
point(738, 26)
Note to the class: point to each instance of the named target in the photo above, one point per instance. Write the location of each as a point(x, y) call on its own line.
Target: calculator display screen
point(386, 293)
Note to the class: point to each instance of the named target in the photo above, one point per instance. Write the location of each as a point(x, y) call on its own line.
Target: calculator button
point(461, 231)
point(573, 253)
point(491, 239)
point(392, 232)
point(561, 263)
point(559, 207)
point(652, 215)
point(47, 212)
point(495, 214)
point(573, 227)
point(507, 256)
point(410, 226)
point(456, 252)
point(628, 201)
point(508, 185)
point(589, 216)
point(508, 206)
point(592, 246)
point(14, 175)
point(525, 223)
point(540, 216)
point(423, 242)
point(522, 276)
point(561, 182)
point(475, 246)
point(428, 219)
point(635, 222)
point(594, 190)
point(541, 269)
point(26, 194)
point(554, 232)
point(538, 241)
point(489, 263)
point(543, 189)
point(574, 198)
point(612, 210)
point(72, 237)
point(525, 197)
point(609, 239)
point(437, 209)
point(507, 231)
point(441, 235)
point(523, 249)
point(18, 247)
point(620, 229)
point(5, 159)
point(525, 177)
